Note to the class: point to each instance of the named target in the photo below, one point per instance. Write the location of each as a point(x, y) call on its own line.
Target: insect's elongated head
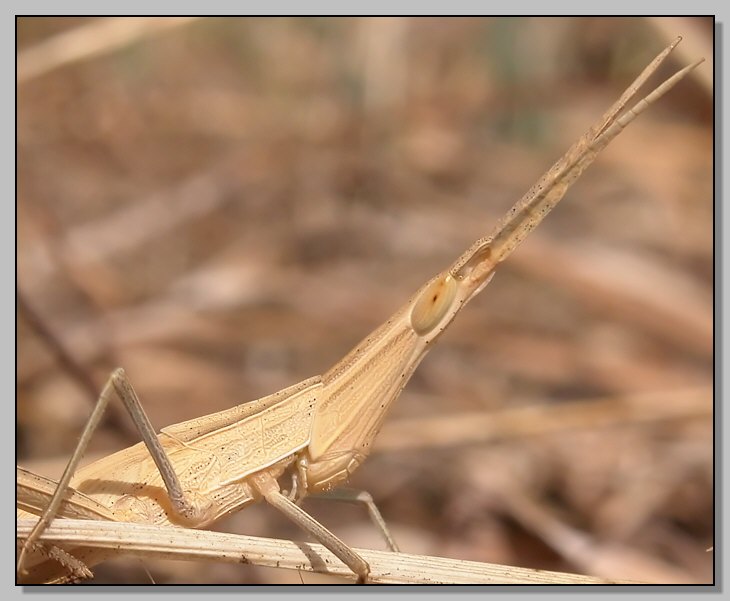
point(358, 391)
point(436, 304)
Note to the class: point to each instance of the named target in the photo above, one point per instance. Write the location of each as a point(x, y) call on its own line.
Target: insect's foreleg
point(362, 497)
point(269, 489)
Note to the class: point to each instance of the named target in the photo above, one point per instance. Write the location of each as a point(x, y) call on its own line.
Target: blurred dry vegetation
point(226, 206)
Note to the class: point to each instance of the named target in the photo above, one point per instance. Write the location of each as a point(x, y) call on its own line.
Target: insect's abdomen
point(129, 484)
point(212, 456)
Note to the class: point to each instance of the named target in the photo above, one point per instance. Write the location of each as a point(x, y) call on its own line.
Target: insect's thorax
point(356, 395)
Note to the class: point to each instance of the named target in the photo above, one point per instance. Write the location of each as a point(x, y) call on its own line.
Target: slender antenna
point(539, 200)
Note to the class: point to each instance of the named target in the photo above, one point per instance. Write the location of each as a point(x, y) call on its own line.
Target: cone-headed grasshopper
point(315, 433)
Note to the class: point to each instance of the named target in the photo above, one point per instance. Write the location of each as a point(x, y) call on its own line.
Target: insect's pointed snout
point(475, 268)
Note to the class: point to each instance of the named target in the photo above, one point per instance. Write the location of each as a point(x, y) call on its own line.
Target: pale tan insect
point(315, 433)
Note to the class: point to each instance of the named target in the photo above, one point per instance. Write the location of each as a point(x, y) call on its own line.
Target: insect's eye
point(432, 304)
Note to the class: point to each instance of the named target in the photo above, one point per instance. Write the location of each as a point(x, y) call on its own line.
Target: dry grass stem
point(193, 545)
point(87, 41)
point(606, 559)
point(445, 431)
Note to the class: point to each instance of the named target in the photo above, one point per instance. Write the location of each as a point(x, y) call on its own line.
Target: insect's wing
point(255, 435)
point(34, 492)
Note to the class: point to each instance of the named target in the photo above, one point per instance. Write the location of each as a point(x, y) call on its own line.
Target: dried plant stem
point(515, 422)
point(97, 37)
point(68, 362)
point(386, 567)
point(64, 357)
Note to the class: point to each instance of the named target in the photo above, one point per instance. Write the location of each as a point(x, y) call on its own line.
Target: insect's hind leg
point(361, 497)
point(77, 569)
point(55, 501)
point(119, 384)
point(193, 510)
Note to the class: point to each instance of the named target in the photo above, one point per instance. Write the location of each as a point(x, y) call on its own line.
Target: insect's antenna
point(539, 200)
point(611, 131)
point(610, 115)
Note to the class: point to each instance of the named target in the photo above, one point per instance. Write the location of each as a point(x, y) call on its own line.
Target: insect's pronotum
point(312, 435)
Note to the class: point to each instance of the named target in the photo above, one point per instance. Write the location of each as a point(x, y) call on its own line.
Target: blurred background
point(225, 206)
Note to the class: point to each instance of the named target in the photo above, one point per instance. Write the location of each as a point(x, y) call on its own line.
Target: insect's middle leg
point(361, 497)
point(269, 489)
point(300, 486)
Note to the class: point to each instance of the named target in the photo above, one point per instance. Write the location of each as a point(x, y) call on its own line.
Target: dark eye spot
point(433, 304)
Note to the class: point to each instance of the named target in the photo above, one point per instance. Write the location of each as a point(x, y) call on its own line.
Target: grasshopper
point(313, 434)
